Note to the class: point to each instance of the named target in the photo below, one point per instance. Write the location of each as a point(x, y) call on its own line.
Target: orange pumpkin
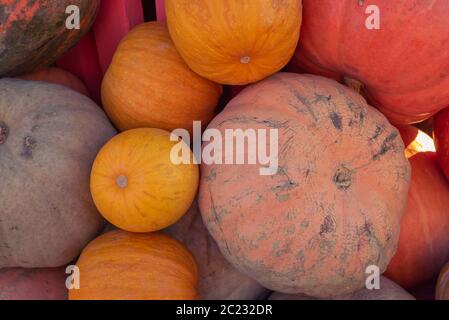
point(149, 85)
point(57, 76)
point(136, 186)
point(131, 266)
point(235, 41)
point(442, 292)
point(334, 205)
point(423, 246)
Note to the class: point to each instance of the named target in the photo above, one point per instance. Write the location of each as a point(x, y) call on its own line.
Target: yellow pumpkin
point(135, 184)
point(235, 41)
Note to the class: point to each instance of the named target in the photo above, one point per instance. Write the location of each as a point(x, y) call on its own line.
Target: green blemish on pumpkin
point(212, 175)
point(259, 198)
point(282, 197)
point(305, 224)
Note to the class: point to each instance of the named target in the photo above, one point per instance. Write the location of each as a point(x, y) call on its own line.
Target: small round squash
point(49, 136)
point(333, 206)
point(131, 266)
point(235, 41)
point(149, 85)
point(135, 184)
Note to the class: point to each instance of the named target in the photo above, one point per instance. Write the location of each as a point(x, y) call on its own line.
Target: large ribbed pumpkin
point(33, 34)
point(334, 205)
point(424, 241)
point(135, 184)
point(404, 65)
point(122, 265)
point(235, 41)
point(149, 85)
point(49, 136)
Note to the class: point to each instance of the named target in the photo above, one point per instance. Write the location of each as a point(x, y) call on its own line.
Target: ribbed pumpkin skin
point(33, 284)
point(404, 65)
point(335, 204)
point(441, 137)
point(235, 41)
point(49, 136)
point(120, 265)
point(33, 33)
point(388, 291)
point(423, 246)
point(442, 291)
point(149, 85)
point(135, 185)
point(57, 76)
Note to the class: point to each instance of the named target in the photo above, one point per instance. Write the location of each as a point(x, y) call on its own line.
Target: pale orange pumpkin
point(123, 265)
point(235, 41)
point(136, 186)
point(149, 85)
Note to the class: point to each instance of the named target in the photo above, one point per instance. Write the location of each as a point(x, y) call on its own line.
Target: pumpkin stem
point(343, 178)
point(245, 59)
point(122, 181)
point(4, 131)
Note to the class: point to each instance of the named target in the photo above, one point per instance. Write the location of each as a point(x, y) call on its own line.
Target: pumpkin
point(135, 266)
point(235, 41)
point(388, 291)
point(333, 206)
point(219, 280)
point(33, 34)
point(412, 35)
point(136, 186)
point(149, 85)
point(49, 136)
point(423, 246)
point(441, 136)
point(442, 290)
point(33, 284)
point(58, 76)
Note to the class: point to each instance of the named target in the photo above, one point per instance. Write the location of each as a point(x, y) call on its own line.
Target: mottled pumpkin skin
point(49, 136)
point(333, 207)
point(388, 291)
point(57, 76)
point(423, 246)
point(442, 291)
point(33, 33)
point(404, 66)
point(137, 187)
point(441, 137)
point(219, 280)
point(235, 41)
point(33, 284)
point(131, 266)
point(149, 85)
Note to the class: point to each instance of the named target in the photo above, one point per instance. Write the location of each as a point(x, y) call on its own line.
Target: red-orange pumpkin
point(441, 136)
point(424, 241)
point(58, 76)
point(404, 65)
point(334, 205)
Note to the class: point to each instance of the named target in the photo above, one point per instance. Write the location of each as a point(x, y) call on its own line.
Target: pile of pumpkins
point(96, 188)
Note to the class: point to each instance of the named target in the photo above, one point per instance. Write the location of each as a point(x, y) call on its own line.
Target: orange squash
point(57, 76)
point(235, 41)
point(442, 291)
point(149, 85)
point(334, 205)
point(136, 186)
point(131, 266)
point(423, 246)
